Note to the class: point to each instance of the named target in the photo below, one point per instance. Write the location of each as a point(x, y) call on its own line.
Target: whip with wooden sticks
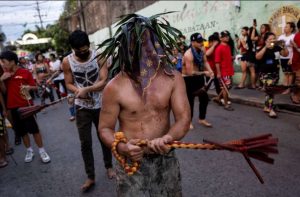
point(257, 147)
point(26, 112)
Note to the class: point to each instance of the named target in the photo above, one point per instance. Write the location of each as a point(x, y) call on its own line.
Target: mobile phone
point(254, 22)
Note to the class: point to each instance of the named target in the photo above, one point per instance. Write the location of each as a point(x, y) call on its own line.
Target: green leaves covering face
point(127, 40)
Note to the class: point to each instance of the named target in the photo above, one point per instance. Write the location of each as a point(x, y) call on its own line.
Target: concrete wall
point(207, 17)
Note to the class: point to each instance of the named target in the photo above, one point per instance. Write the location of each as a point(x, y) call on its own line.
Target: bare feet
point(205, 123)
point(111, 173)
point(89, 184)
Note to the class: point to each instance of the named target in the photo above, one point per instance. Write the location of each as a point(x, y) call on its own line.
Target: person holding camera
point(285, 62)
point(269, 71)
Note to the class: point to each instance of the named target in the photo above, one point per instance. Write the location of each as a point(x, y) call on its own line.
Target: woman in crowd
point(269, 71)
point(41, 71)
point(287, 37)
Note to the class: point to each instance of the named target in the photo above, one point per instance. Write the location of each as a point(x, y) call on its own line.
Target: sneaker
point(72, 118)
point(45, 157)
point(29, 156)
point(228, 102)
point(272, 114)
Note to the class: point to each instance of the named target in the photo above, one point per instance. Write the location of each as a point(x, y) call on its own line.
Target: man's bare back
point(149, 119)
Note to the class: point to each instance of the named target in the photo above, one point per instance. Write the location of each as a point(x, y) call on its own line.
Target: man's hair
point(292, 25)
point(245, 28)
point(52, 55)
point(78, 39)
point(267, 35)
point(10, 56)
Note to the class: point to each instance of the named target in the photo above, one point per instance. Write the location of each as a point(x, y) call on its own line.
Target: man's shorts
point(158, 176)
point(227, 80)
point(23, 126)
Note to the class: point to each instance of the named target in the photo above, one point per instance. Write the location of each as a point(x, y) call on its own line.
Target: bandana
point(198, 58)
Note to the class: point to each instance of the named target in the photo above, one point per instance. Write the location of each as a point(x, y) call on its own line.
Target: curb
point(282, 107)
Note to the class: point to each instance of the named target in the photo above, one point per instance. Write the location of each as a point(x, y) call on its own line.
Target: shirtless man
point(194, 61)
point(147, 116)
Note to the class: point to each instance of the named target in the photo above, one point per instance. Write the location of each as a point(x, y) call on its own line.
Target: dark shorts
point(158, 176)
point(249, 57)
point(286, 68)
point(23, 126)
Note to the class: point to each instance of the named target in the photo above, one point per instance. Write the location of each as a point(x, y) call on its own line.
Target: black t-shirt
point(268, 63)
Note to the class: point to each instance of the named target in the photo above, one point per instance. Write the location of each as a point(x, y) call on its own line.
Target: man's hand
point(130, 150)
point(81, 93)
point(290, 62)
point(159, 145)
point(25, 88)
point(5, 76)
point(209, 74)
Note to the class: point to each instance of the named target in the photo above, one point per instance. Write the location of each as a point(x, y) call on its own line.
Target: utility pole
point(39, 14)
point(82, 18)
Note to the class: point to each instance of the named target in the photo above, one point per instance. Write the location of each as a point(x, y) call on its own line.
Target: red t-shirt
point(211, 60)
point(296, 54)
point(13, 85)
point(224, 58)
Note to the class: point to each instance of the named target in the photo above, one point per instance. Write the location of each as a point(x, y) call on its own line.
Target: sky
point(17, 16)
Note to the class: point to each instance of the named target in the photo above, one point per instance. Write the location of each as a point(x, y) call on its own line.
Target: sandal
point(87, 186)
point(9, 151)
point(272, 114)
point(238, 87)
point(228, 108)
point(3, 164)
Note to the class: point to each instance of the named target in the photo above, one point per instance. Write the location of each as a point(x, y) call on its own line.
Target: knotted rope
point(256, 147)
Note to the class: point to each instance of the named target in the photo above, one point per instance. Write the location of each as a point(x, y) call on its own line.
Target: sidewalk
point(256, 98)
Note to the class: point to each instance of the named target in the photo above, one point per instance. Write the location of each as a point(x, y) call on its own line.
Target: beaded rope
point(130, 169)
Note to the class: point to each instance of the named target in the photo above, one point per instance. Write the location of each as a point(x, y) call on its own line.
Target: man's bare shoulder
point(116, 84)
point(188, 54)
point(65, 63)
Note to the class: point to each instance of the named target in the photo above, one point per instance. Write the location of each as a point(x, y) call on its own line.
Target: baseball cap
point(197, 37)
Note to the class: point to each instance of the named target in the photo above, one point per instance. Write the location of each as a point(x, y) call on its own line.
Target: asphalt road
point(204, 172)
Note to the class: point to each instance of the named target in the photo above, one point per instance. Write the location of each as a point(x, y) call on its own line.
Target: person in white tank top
point(86, 79)
point(287, 37)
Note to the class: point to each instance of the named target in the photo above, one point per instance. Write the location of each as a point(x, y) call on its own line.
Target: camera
point(278, 43)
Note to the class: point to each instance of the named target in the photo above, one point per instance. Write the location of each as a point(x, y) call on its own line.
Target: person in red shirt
point(17, 82)
point(213, 42)
point(295, 62)
point(224, 67)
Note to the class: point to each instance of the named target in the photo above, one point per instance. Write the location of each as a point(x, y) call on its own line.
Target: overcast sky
point(17, 16)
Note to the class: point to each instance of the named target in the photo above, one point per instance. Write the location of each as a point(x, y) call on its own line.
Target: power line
point(39, 14)
point(24, 5)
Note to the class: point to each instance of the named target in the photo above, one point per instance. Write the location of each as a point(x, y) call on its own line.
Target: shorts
point(158, 176)
point(286, 68)
point(23, 126)
point(249, 57)
point(227, 81)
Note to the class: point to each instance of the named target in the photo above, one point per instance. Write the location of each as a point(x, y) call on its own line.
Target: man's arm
point(188, 63)
point(68, 76)
point(181, 110)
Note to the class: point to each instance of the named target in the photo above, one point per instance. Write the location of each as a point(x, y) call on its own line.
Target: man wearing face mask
point(86, 80)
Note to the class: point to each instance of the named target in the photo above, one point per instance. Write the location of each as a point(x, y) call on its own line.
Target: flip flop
point(3, 164)
point(9, 151)
point(87, 188)
point(238, 87)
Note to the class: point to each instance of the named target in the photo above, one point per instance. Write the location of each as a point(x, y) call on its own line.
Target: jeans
point(84, 119)
point(194, 83)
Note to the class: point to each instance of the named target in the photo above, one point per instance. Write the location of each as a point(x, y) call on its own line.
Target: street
point(204, 172)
